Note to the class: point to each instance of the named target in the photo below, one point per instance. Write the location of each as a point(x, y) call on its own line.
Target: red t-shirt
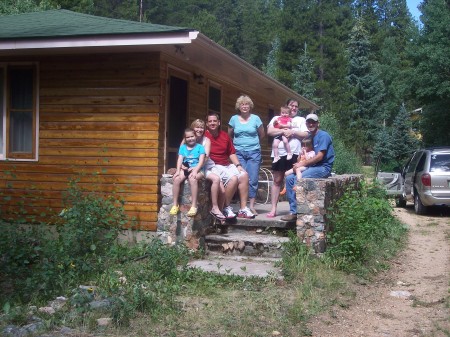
point(282, 121)
point(221, 148)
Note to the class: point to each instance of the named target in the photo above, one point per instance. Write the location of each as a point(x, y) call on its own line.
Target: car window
point(421, 163)
point(440, 163)
point(412, 165)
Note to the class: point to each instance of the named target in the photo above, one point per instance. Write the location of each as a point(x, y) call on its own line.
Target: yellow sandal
point(174, 210)
point(192, 211)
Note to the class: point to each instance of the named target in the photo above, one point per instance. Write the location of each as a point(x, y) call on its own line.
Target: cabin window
point(214, 99)
point(19, 112)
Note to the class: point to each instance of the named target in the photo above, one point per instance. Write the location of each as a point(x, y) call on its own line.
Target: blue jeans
point(251, 161)
point(310, 172)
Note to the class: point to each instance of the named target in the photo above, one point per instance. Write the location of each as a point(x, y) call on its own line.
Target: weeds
point(363, 231)
point(41, 262)
point(151, 284)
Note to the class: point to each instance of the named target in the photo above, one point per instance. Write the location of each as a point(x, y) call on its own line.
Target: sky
point(412, 5)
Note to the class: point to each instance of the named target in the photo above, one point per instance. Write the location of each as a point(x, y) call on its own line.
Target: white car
point(425, 180)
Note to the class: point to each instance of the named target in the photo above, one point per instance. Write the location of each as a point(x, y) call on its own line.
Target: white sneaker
point(228, 212)
point(275, 159)
point(289, 156)
point(245, 213)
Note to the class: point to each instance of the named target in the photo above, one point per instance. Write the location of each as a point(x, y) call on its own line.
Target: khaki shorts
point(225, 172)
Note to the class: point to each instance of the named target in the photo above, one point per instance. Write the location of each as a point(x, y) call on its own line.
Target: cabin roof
point(59, 23)
point(67, 32)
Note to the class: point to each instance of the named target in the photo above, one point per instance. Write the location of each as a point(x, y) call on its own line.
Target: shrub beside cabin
point(106, 101)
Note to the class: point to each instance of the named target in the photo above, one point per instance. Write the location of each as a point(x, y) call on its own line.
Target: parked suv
point(424, 180)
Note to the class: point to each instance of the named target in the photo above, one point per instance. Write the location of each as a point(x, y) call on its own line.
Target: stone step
point(239, 265)
point(245, 243)
point(262, 222)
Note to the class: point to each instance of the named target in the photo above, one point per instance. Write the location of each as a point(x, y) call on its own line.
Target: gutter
point(100, 41)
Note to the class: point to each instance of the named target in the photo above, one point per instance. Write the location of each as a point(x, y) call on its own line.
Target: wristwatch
point(237, 165)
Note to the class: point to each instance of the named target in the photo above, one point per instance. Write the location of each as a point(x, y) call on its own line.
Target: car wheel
point(419, 208)
point(400, 202)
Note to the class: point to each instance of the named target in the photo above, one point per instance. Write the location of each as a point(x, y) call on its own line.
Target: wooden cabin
point(106, 101)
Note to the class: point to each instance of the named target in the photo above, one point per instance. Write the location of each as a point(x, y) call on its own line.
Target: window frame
point(218, 87)
point(5, 113)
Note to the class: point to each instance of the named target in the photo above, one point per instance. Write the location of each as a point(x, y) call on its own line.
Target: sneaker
point(228, 212)
point(245, 213)
point(289, 156)
point(275, 159)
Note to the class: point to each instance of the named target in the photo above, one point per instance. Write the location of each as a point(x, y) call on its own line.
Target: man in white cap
point(317, 167)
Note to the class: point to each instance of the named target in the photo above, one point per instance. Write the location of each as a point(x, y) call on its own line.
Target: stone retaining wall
point(314, 198)
point(181, 228)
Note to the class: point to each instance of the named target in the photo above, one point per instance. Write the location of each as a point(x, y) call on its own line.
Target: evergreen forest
point(380, 76)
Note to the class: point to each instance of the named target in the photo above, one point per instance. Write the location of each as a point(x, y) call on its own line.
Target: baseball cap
point(313, 117)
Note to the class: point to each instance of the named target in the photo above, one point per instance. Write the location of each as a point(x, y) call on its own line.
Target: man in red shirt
point(227, 167)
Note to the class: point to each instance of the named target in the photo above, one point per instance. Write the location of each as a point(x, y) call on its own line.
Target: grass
point(153, 292)
point(432, 224)
point(186, 302)
point(368, 172)
point(250, 308)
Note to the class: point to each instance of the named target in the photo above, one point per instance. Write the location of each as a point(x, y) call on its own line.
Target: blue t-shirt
point(246, 137)
point(322, 141)
point(191, 156)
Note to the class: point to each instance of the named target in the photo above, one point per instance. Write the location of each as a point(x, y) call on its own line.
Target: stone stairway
point(258, 237)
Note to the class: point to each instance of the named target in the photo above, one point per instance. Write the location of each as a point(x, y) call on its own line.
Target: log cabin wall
point(99, 121)
point(102, 121)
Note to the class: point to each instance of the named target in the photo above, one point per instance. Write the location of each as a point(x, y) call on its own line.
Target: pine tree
point(271, 67)
point(304, 81)
point(403, 138)
point(430, 76)
point(368, 90)
point(24, 6)
point(324, 26)
point(382, 149)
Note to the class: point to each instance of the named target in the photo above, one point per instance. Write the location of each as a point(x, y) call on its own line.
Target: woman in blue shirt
point(246, 130)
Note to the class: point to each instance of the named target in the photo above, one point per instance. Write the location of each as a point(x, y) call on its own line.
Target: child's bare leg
point(287, 147)
point(176, 187)
point(298, 173)
point(275, 144)
point(288, 172)
point(193, 183)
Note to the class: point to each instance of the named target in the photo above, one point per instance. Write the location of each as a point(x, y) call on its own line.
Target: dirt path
point(422, 270)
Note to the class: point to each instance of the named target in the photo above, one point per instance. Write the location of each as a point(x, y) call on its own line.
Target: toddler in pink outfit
point(307, 153)
point(282, 122)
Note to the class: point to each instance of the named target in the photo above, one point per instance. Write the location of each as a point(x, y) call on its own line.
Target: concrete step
point(238, 265)
point(261, 236)
point(246, 243)
point(260, 222)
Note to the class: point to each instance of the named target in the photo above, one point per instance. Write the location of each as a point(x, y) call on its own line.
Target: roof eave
point(206, 42)
point(184, 37)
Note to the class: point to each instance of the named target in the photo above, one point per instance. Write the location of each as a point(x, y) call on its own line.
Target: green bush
point(345, 160)
point(363, 230)
point(91, 225)
point(20, 249)
point(37, 261)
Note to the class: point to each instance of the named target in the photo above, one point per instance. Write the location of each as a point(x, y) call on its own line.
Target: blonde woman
point(246, 130)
